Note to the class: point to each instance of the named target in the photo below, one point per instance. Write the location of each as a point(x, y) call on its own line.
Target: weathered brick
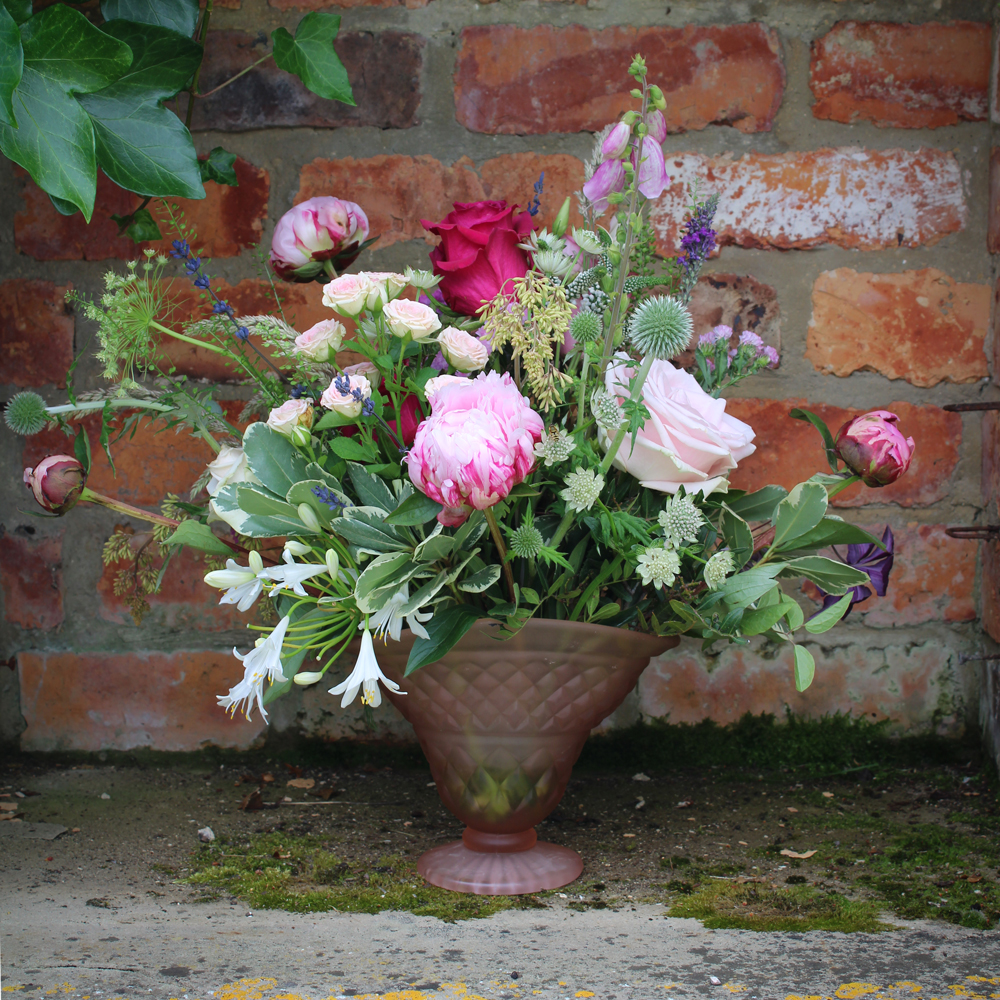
point(990, 479)
point(120, 701)
point(510, 178)
point(907, 684)
point(31, 578)
point(36, 333)
point(902, 75)
point(993, 226)
point(227, 220)
point(990, 594)
point(739, 301)
point(384, 69)
point(395, 191)
point(327, 4)
point(858, 198)
point(921, 326)
point(790, 451)
point(533, 81)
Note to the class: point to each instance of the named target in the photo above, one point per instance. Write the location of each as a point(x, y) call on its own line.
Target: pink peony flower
point(479, 253)
point(477, 445)
point(874, 449)
point(608, 178)
point(56, 482)
point(689, 439)
point(318, 237)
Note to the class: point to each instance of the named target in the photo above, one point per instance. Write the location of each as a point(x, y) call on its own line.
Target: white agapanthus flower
point(243, 584)
point(389, 622)
point(659, 566)
point(262, 663)
point(588, 241)
point(681, 520)
point(718, 568)
point(365, 676)
point(292, 574)
point(583, 487)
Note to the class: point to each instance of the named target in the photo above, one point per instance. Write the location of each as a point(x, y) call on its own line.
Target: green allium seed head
point(25, 413)
point(586, 327)
point(661, 326)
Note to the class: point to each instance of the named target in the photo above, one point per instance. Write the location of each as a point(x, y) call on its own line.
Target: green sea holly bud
point(561, 221)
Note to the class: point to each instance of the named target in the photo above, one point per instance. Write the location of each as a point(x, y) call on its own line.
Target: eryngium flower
point(526, 541)
point(586, 327)
point(661, 326)
point(25, 413)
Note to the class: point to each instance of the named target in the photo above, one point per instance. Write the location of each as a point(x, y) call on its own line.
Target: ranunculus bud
point(321, 341)
point(321, 236)
point(616, 142)
point(56, 482)
point(463, 351)
point(873, 448)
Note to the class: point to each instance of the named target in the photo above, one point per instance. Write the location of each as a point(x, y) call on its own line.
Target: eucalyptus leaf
point(482, 580)
point(444, 629)
point(827, 618)
point(178, 15)
point(805, 668)
point(11, 66)
point(196, 535)
point(799, 513)
point(311, 57)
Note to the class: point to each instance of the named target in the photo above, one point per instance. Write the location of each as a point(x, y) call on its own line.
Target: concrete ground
point(97, 912)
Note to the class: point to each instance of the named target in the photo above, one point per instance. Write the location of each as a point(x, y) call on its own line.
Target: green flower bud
point(656, 96)
point(561, 221)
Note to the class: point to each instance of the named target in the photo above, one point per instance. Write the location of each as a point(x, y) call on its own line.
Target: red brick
point(739, 301)
point(396, 192)
point(227, 220)
point(857, 198)
point(533, 81)
point(120, 701)
point(993, 226)
point(921, 326)
point(790, 451)
point(384, 69)
point(510, 178)
point(31, 578)
point(990, 480)
point(906, 684)
point(36, 333)
point(902, 75)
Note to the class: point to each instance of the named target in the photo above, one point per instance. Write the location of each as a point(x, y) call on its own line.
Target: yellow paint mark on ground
point(246, 989)
point(735, 987)
point(584, 993)
point(850, 991)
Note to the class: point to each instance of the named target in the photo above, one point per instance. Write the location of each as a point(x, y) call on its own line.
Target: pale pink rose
point(291, 414)
point(348, 294)
point(874, 448)
point(315, 232)
point(321, 341)
point(476, 446)
point(346, 395)
point(405, 316)
point(229, 466)
point(463, 351)
point(389, 283)
point(366, 368)
point(434, 385)
point(689, 440)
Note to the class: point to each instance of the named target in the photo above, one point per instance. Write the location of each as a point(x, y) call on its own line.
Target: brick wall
point(860, 202)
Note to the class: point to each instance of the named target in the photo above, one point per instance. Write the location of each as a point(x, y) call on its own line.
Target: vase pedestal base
point(500, 864)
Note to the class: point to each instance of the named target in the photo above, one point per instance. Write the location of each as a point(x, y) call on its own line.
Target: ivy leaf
point(177, 15)
point(218, 167)
point(310, 56)
point(19, 10)
point(139, 226)
point(142, 146)
point(64, 54)
point(11, 66)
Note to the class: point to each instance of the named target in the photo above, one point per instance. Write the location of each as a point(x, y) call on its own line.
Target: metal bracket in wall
point(986, 532)
point(968, 407)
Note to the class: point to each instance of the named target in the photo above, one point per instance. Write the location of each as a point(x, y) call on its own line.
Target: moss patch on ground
point(299, 874)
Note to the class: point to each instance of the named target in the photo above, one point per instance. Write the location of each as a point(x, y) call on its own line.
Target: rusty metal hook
point(989, 532)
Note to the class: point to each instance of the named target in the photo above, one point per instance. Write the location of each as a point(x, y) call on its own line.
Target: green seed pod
point(661, 326)
point(656, 96)
point(586, 327)
point(25, 413)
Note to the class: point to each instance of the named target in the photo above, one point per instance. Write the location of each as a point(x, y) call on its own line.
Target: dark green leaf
point(218, 167)
point(799, 513)
point(351, 450)
point(196, 535)
point(805, 668)
point(139, 226)
point(830, 531)
point(759, 505)
point(162, 61)
point(81, 449)
point(11, 66)
point(830, 574)
point(62, 206)
point(333, 419)
point(20, 10)
point(820, 425)
point(482, 580)
point(177, 15)
point(444, 629)
point(273, 459)
point(738, 536)
point(825, 620)
point(310, 56)
point(760, 620)
point(416, 509)
point(383, 571)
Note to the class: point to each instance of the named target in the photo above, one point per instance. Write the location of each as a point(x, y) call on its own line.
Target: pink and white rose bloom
point(405, 316)
point(689, 440)
point(463, 351)
point(321, 341)
point(346, 395)
point(291, 414)
point(348, 294)
point(314, 232)
point(476, 446)
point(388, 283)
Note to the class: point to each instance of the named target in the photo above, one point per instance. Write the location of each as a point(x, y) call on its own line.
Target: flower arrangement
point(515, 442)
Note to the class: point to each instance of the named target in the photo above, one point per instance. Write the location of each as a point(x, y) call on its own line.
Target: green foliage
point(179, 16)
point(218, 167)
point(198, 536)
point(445, 629)
point(310, 56)
point(11, 66)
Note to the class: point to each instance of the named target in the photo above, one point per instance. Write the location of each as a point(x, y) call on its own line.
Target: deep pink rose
point(688, 440)
point(56, 482)
point(479, 253)
point(874, 449)
point(477, 445)
point(318, 238)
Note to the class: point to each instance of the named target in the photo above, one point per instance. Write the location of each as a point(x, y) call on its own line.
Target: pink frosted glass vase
point(502, 724)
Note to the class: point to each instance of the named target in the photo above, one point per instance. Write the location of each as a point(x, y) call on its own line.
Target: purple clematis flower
point(875, 562)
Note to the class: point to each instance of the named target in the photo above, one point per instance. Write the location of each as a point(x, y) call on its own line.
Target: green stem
point(501, 551)
point(226, 83)
point(582, 395)
point(640, 380)
point(190, 340)
point(206, 17)
point(124, 508)
point(832, 491)
point(99, 404)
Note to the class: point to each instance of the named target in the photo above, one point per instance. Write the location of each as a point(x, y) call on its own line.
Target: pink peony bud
point(608, 178)
point(657, 126)
point(317, 238)
point(616, 142)
point(873, 448)
point(56, 482)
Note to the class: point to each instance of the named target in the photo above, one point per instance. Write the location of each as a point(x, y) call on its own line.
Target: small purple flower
point(222, 306)
point(368, 407)
point(328, 497)
point(773, 358)
point(193, 264)
point(875, 562)
point(715, 334)
point(747, 337)
point(242, 333)
point(181, 249)
point(202, 281)
point(537, 202)
point(298, 390)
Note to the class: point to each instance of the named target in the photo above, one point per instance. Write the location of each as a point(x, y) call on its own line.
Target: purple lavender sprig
point(697, 243)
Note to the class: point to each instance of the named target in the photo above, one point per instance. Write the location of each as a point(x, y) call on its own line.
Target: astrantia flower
point(292, 574)
point(583, 487)
point(659, 565)
point(680, 521)
point(243, 583)
point(263, 663)
point(606, 409)
point(718, 568)
point(389, 621)
point(365, 675)
point(555, 447)
point(661, 326)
